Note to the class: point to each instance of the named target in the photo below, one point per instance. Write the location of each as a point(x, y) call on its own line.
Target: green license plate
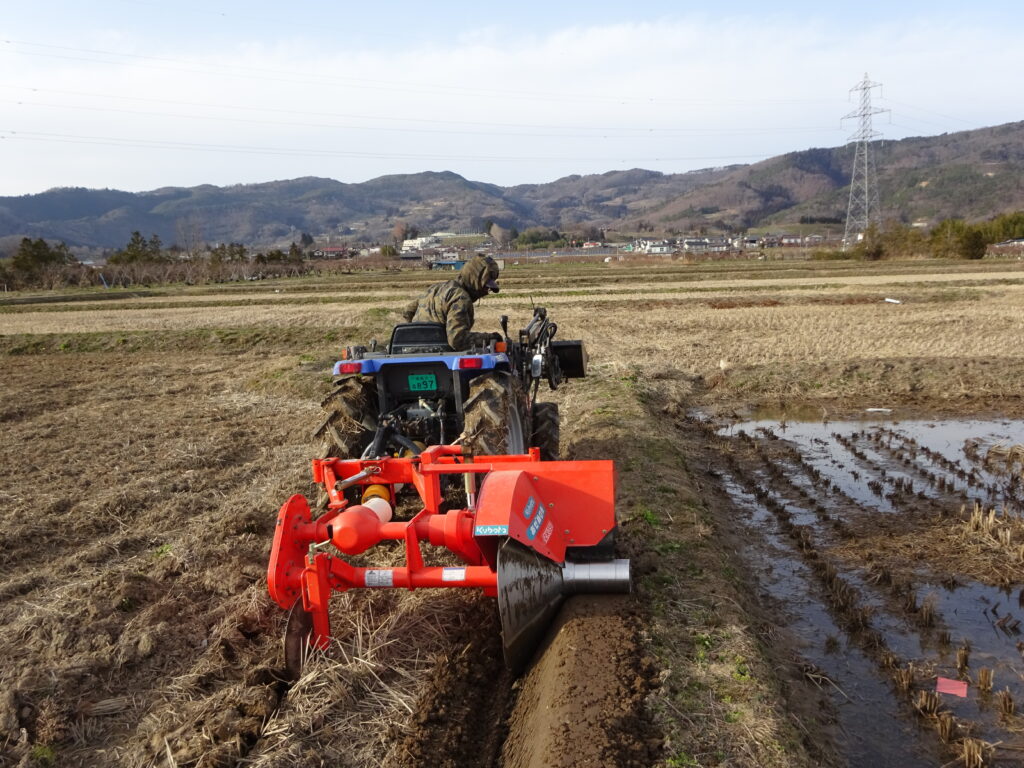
point(422, 382)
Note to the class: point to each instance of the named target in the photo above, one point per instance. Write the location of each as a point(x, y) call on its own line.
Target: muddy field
point(818, 489)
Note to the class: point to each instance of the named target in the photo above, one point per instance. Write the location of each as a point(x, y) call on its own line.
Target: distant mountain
point(972, 174)
point(277, 212)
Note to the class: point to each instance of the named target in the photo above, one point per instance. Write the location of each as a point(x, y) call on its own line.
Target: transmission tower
point(863, 209)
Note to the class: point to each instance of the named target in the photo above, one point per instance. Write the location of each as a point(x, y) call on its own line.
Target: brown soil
point(579, 704)
point(135, 624)
point(582, 703)
point(142, 474)
point(134, 534)
point(460, 717)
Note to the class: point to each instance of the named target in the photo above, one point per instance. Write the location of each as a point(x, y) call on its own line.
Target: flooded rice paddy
point(893, 553)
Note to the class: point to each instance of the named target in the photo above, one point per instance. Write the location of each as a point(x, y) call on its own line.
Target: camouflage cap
point(479, 276)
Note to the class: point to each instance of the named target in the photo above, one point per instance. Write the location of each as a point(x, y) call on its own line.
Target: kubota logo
point(491, 530)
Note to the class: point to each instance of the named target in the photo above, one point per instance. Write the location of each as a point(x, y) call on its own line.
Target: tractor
point(417, 391)
point(463, 431)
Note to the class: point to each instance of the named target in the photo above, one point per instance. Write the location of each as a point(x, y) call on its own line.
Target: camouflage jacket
point(451, 303)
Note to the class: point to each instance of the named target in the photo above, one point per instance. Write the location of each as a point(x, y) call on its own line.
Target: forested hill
point(279, 211)
point(972, 174)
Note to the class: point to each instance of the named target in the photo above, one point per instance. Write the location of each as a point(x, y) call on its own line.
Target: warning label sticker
point(548, 530)
point(453, 574)
point(380, 578)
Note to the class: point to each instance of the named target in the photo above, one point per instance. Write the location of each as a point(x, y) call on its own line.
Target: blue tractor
point(418, 392)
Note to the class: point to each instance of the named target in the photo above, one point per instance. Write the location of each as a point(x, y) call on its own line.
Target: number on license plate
point(422, 382)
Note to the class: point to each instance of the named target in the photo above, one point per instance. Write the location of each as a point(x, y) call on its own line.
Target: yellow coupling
point(376, 492)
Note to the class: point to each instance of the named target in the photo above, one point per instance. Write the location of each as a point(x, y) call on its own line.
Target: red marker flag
point(955, 687)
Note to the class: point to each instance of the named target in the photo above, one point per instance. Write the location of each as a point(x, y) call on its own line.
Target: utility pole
point(863, 208)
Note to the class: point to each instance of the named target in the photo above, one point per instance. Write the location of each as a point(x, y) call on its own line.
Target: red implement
point(533, 523)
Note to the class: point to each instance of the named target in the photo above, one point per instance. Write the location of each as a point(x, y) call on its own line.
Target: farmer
point(451, 303)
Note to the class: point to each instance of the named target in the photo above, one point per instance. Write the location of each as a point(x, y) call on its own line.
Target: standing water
point(895, 551)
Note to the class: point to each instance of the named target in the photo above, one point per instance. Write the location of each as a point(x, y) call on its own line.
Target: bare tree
point(501, 236)
point(189, 233)
point(398, 233)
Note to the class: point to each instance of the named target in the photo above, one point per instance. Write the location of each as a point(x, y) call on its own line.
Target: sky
point(143, 94)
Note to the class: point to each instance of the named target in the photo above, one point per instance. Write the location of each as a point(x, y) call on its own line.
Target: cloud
point(671, 94)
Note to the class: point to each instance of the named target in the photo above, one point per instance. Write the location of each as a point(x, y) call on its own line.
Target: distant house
point(1008, 248)
point(706, 245)
point(419, 243)
point(333, 252)
point(653, 246)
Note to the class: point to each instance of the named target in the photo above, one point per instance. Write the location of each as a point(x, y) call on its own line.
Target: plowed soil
point(134, 536)
point(582, 703)
point(144, 451)
point(134, 528)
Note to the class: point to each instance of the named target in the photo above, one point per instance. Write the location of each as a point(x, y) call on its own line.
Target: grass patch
point(646, 515)
point(162, 551)
point(43, 755)
point(718, 685)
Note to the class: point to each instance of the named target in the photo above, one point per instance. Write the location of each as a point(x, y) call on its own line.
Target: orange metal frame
point(547, 506)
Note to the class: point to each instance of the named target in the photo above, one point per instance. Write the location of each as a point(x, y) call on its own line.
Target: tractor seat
point(419, 338)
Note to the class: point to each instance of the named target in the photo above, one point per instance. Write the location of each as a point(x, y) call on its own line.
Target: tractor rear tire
point(495, 416)
point(349, 419)
point(546, 430)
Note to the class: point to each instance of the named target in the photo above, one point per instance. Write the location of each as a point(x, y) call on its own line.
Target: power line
point(929, 112)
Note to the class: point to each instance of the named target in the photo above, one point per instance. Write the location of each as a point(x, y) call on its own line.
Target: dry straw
point(904, 677)
point(1005, 702)
point(1007, 457)
point(963, 657)
point(927, 703)
point(975, 753)
point(1000, 532)
point(945, 724)
point(985, 680)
